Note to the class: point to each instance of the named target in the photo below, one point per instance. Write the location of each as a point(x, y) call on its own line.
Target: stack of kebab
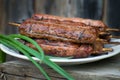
point(64, 37)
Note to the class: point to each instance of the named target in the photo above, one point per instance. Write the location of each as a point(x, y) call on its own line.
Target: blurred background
point(18, 10)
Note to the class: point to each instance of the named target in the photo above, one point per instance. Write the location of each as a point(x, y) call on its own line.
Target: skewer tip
point(101, 40)
point(107, 49)
point(111, 36)
point(104, 33)
point(14, 24)
point(104, 50)
point(113, 29)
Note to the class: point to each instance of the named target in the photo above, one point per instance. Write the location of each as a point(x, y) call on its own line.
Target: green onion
point(36, 54)
point(51, 64)
point(10, 43)
point(31, 41)
point(36, 45)
point(2, 56)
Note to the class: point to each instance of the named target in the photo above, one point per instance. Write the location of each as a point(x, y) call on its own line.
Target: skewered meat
point(72, 24)
point(60, 36)
point(59, 32)
point(65, 49)
point(89, 22)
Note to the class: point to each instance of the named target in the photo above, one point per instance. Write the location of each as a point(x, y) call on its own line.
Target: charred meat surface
point(63, 49)
point(58, 32)
point(79, 25)
point(89, 22)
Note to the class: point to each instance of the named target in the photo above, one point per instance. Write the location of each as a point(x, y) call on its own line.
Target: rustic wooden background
point(18, 10)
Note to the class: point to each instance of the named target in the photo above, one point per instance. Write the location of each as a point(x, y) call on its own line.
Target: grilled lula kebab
point(89, 22)
point(68, 49)
point(58, 32)
point(86, 37)
point(78, 25)
point(102, 35)
point(104, 29)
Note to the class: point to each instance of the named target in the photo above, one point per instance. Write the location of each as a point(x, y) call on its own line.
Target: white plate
point(116, 50)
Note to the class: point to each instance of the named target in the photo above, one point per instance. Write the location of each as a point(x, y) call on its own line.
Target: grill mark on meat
point(54, 37)
point(77, 26)
point(71, 33)
point(30, 29)
point(81, 35)
point(70, 23)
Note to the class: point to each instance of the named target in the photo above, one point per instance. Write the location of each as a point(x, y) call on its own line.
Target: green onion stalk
point(10, 41)
point(2, 57)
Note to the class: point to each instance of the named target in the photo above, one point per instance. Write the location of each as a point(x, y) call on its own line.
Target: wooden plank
point(113, 15)
point(56, 7)
point(39, 6)
point(25, 69)
point(2, 16)
point(17, 11)
point(107, 69)
point(92, 9)
point(14, 11)
point(71, 8)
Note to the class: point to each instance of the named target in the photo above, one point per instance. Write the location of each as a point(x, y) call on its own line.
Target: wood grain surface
point(106, 69)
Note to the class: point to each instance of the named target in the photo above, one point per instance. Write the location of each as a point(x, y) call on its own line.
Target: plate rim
point(68, 61)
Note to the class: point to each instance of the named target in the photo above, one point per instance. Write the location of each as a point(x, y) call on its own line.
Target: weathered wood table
point(107, 69)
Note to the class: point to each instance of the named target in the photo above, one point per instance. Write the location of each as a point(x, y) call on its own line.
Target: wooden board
point(71, 8)
point(2, 16)
point(107, 69)
point(15, 11)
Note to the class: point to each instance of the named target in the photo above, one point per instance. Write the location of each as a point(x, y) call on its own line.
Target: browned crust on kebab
point(89, 22)
point(63, 49)
point(78, 25)
point(58, 32)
